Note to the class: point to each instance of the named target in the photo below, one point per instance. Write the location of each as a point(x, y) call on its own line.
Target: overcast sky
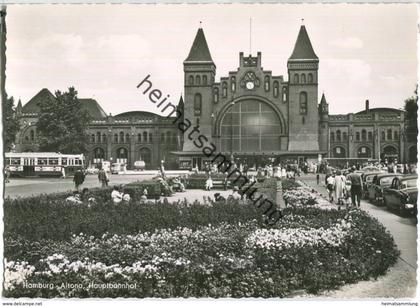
point(365, 51)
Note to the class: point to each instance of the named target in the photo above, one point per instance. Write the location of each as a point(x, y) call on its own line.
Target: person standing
point(7, 174)
point(330, 187)
point(317, 178)
point(103, 177)
point(78, 179)
point(356, 187)
point(339, 185)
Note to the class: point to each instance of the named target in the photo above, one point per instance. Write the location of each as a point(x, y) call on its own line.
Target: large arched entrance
point(364, 152)
point(122, 156)
point(250, 126)
point(98, 155)
point(146, 156)
point(389, 153)
point(339, 152)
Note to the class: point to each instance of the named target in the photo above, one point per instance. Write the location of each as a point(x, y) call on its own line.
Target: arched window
point(191, 80)
point(224, 89)
point(370, 136)
point(197, 104)
point(338, 135)
point(127, 137)
point(121, 136)
point(145, 136)
point(98, 136)
point(364, 152)
point(357, 136)
point(233, 83)
point(284, 94)
point(332, 136)
point(389, 134)
point(276, 89)
point(139, 137)
point(204, 79)
point(310, 78)
point(267, 83)
point(383, 135)
point(396, 135)
point(303, 78)
point(151, 138)
point(216, 95)
point(303, 103)
point(344, 136)
point(296, 78)
point(115, 138)
point(92, 138)
point(363, 135)
point(197, 80)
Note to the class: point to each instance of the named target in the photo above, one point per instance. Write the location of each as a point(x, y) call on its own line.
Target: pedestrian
point(330, 187)
point(63, 172)
point(356, 187)
point(339, 187)
point(7, 174)
point(317, 178)
point(209, 183)
point(103, 178)
point(78, 178)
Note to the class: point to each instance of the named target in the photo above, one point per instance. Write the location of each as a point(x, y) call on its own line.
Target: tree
point(11, 123)
point(62, 124)
point(411, 108)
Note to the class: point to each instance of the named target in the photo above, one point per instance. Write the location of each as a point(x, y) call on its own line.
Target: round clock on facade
point(250, 85)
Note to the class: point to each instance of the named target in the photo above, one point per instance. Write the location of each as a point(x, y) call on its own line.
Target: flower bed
point(296, 194)
point(187, 249)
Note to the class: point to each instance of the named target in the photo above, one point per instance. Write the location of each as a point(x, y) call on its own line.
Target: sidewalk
point(400, 281)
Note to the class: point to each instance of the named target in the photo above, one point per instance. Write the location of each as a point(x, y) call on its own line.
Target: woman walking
point(339, 188)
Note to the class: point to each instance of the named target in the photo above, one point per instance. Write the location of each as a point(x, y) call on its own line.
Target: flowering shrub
point(309, 249)
point(299, 196)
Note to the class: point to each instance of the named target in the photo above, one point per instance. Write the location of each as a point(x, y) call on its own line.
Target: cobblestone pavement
point(400, 281)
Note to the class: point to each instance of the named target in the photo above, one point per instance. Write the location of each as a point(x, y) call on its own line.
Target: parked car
point(370, 169)
point(367, 181)
point(379, 182)
point(402, 195)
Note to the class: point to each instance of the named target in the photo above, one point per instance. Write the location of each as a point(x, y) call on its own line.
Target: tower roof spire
point(199, 51)
point(303, 47)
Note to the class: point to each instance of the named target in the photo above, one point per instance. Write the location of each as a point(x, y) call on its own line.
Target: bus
point(29, 164)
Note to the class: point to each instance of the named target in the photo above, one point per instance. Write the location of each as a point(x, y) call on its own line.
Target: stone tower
point(323, 124)
point(199, 73)
point(303, 95)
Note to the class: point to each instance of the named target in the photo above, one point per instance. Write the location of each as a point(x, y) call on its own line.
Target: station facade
point(250, 114)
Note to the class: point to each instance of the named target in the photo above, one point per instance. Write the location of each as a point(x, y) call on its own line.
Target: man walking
point(356, 186)
point(78, 179)
point(103, 177)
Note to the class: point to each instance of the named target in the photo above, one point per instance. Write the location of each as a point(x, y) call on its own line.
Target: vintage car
point(367, 181)
point(402, 195)
point(379, 182)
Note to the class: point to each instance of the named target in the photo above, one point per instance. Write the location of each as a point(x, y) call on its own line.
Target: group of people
point(119, 194)
point(341, 188)
point(81, 197)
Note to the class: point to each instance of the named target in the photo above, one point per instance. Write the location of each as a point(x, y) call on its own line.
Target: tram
point(27, 164)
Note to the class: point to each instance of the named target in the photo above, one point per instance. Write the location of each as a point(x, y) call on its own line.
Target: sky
point(104, 51)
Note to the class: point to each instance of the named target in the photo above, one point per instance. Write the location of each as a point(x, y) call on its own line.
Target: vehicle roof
point(408, 177)
point(389, 174)
point(40, 154)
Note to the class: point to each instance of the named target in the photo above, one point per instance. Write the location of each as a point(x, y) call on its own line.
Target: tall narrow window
point(363, 135)
point(127, 137)
point(276, 89)
point(224, 89)
point(204, 79)
point(310, 78)
point(197, 104)
point(389, 134)
point(197, 80)
point(150, 138)
point(303, 78)
point(191, 80)
point(98, 136)
point(303, 103)
point(332, 136)
point(139, 137)
point(344, 136)
point(216, 95)
point(121, 137)
point(370, 136)
point(92, 138)
point(267, 83)
point(338, 135)
point(284, 94)
point(103, 138)
point(396, 135)
point(357, 136)
point(296, 78)
point(115, 138)
point(233, 83)
point(383, 135)
point(145, 136)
